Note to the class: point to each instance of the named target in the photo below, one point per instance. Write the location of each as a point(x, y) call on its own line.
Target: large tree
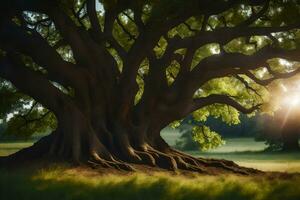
point(115, 73)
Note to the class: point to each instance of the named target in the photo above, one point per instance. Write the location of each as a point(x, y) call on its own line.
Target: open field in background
point(244, 151)
point(232, 144)
point(7, 148)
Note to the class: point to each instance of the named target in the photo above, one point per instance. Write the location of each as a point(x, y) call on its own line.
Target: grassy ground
point(62, 182)
point(7, 148)
point(66, 182)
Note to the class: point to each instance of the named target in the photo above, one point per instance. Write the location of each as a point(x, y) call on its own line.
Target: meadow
point(61, 181)
point(246, 152)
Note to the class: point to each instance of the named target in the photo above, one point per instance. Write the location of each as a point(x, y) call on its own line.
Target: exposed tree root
point(169, 159)
point(220, 164)
point(97, 161)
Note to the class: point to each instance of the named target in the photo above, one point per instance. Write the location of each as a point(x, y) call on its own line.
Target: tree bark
point(91, 133)
point(76, 140)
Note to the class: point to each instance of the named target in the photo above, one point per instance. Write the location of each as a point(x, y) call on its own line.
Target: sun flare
point(291, 100)
point(291, 96)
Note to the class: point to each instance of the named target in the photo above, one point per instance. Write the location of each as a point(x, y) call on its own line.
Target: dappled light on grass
point(63, 183)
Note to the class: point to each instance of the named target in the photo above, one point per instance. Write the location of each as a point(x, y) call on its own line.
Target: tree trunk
point(77, 141)
point(93, 127)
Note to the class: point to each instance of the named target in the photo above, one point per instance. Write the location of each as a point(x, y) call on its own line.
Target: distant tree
point(189, 139)
point(108, 76)
point(281, 132)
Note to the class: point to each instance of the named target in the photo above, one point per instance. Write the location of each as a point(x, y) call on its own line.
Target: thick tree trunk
point(93, 128)
point(76, 140)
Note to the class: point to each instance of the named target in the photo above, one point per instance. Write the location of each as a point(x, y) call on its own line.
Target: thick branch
point(76, 38)
point(226, 64)
point(221, 99)
point(91, 10)
point(225, 35)
point(130, 35)
point(14, 38)
point(276, 75)
point(31, 83)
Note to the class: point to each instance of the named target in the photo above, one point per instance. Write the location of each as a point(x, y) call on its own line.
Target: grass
point(245, 152)
point(7, 148)
point(61, 182)
point(282, 162)
point(64, 182)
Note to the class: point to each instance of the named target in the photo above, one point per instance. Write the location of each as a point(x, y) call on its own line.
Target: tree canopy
point(107, 76)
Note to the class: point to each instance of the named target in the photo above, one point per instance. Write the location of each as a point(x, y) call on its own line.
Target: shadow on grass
point(57, 183)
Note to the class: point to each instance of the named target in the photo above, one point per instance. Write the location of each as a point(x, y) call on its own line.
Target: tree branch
point(246, 84)
point(226, 34)
point(14, 38)
point(31, 83)
point(29, 121)
point(276, 75)
point(131, 36)
point(221, 99)
point(225, 64)
point(91, 10)
point(77, 14)
point(256, 16)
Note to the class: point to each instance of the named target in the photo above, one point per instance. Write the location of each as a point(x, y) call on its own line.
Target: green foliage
point(197, 136)
point(142, 72)
point(139, 94)
point(175, 124)
point(172, 72)
point(125, 32)
point(204, 52)
point(227, 114)
point(185, 141)
point(10, 99)
point(160, 48)
point(206, 138)
point(21, 115)
point(34, 122)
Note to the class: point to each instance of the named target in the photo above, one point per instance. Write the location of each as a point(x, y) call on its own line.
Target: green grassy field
point(71, 183)
point(246, 152)
point(63, 183)
point(7, 148)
